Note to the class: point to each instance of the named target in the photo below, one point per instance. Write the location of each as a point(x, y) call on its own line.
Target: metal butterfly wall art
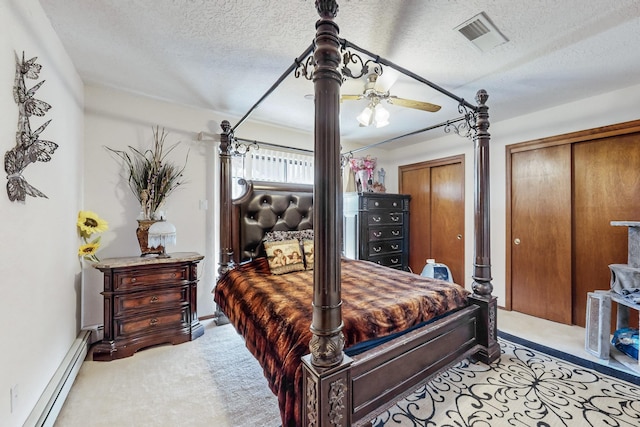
point(29, 147)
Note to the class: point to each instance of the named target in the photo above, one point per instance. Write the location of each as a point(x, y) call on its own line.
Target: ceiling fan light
point(366, 117)
point(382, 116)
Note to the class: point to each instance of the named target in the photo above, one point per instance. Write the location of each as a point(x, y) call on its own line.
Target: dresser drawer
point(384, 247)
point(152, 322)
point(395, 260)
point(384, 218)
point(149, 300)
point(389, 204)
point(384, 233)
point(154, 276)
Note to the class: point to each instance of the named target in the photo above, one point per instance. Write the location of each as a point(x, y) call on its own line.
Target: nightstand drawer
point(384, 218)
point(149, 300)
point(385, 233)
point(154, 276)
point(384, 247)
point(152, 322)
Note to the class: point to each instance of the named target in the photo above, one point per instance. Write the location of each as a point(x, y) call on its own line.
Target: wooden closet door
point(417, 183)
point(606, 188)
point(447, 218)
point(436, 213)
point(541, 233)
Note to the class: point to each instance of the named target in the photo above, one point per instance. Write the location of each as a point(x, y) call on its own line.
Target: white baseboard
point(48, 407)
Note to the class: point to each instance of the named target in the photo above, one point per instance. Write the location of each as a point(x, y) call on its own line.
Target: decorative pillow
point(284, 256)
point(277, 236)
point(307, 245)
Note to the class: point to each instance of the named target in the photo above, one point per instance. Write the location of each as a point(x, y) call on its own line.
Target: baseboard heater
point(50, 403)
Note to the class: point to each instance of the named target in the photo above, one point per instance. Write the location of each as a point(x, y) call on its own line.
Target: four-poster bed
point(330, 310)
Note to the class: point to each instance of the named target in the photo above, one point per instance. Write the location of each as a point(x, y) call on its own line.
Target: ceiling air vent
point(481, 32)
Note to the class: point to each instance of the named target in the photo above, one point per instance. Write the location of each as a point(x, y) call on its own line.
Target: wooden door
point(447, 218)
point(606, 188)
point(540, 245)
point(436, 215)
point(417, 183)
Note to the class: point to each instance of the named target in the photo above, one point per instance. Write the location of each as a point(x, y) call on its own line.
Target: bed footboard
point(363, 386)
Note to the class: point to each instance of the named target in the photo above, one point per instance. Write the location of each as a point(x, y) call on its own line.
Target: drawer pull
point(395, 204)
point(376, 204)
point(377, 233)
point(376, 218)
point(153, 322)
point(394, 260)
point(395, 218)
point(133, 280)
point(395, 247)
point(154, 299)
point(377, 249)
point(395, 232)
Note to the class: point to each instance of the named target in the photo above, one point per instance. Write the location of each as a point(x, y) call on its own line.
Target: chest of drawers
point(148, 301)
point(376, 228)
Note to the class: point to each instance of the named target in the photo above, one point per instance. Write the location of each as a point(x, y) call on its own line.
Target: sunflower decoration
point(89, 223)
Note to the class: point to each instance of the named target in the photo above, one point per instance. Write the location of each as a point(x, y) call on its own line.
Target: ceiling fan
point(374, 112)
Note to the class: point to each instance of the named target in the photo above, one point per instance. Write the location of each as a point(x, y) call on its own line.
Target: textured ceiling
point(223, 55)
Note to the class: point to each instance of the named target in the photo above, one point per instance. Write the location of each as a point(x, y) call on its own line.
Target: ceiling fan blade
point(384, 82)
point(350, 97)
point(409, 103)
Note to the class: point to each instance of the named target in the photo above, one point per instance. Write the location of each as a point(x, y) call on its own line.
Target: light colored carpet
point(526, 387)
point(214, 381)
point(211, 381)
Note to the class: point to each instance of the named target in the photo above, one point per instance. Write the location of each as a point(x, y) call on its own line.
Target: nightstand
point(148, 301)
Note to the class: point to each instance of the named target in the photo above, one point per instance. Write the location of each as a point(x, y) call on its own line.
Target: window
point(264, 164)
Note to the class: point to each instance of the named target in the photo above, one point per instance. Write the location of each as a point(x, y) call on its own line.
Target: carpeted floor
point(214, 381)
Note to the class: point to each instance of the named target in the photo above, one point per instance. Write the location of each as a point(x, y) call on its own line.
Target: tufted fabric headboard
point(268, 206)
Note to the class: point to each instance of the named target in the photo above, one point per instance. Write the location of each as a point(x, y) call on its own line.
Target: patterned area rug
point(531, 385)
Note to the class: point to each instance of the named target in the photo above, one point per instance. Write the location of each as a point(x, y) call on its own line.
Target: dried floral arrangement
point(29, 147)
point(151, 177)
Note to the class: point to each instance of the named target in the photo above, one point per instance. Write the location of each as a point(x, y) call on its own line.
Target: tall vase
point(363, 176)
point(142, 232)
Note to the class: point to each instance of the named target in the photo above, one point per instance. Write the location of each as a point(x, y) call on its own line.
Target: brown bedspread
point(273, 313)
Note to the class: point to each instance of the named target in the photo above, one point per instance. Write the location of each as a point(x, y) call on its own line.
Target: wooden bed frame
point(339, 390)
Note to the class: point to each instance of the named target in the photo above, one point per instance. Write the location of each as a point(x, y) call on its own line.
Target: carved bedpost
point(482, 287)
point(326, 377)
point(226, 248)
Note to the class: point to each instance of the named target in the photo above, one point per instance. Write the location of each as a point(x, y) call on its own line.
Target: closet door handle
point(459, 237)
point(516, 241)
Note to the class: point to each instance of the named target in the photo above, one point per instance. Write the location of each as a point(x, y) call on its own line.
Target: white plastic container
point(436, 270)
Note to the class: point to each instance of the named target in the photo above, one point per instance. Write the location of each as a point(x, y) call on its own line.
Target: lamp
point(366, 117)
point(160, 234)
point(382, 116)
point(374, 113)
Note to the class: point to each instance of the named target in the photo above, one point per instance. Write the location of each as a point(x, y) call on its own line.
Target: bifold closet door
point(417, 183)
point(447, 218)
point(606, 188)
point(541, 232)
point(436, 213)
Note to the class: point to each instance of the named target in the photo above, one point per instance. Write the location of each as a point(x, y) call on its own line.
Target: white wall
point(591, 112)
point(39, 268)
point(117, 119)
